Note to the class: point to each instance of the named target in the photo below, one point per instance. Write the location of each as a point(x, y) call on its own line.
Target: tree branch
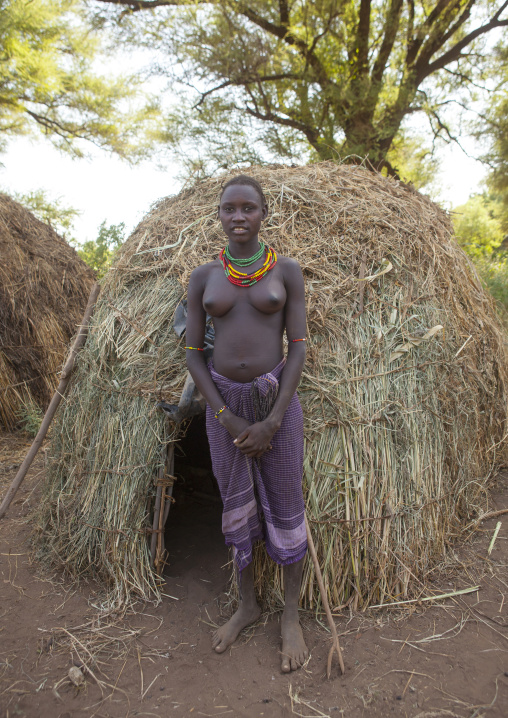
point(455, 52)
point(137, 5)
point(270, 116)
point(288, 37)
point(284, 13)
point(391, 29)
point(362, 38)
point(254, 80)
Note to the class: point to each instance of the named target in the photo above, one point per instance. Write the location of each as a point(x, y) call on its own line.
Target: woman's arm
point(195, 337)
point(255, 439)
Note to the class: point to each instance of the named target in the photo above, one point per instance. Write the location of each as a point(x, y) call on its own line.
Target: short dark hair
point(246, 180)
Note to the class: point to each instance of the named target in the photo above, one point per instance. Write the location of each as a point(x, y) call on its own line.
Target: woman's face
point(241, 212)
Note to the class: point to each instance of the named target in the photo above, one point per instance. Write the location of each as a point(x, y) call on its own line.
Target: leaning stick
point(55, 401)
point(335, 639)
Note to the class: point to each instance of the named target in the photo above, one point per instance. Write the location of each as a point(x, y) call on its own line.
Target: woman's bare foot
point(294, 650)
point(228, 633)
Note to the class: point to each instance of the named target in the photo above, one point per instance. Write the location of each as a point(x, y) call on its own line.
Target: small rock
point(76, 676)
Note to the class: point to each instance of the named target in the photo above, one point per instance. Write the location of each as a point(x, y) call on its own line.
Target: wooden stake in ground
point(55, 401)
point(335, 639)
point(165, 482)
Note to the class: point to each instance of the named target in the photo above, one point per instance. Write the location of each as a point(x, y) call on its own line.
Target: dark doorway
point(193, 535)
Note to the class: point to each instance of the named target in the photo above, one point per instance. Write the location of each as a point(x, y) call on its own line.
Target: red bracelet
point(299, 340)
point(196, 349)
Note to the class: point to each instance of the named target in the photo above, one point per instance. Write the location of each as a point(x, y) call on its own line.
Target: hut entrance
point(193, 535)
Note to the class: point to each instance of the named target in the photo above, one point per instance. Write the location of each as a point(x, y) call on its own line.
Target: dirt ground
point(445, 659)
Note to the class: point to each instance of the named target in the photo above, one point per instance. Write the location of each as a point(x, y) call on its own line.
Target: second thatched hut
point(44, 286)
point(404, 389)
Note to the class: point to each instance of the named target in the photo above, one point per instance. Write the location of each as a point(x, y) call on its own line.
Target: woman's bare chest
point(267, 296)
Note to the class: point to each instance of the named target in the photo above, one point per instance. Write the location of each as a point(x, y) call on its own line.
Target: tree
point(338, 77)
point(49, 83)
point(479, 230)
point(477, 225)
point(493, 128)
point(51, 211)
point(98, 253)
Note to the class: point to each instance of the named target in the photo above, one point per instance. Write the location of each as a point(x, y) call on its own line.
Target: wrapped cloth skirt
point(262, 498)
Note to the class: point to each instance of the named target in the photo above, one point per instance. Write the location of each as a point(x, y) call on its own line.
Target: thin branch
point(254, 80)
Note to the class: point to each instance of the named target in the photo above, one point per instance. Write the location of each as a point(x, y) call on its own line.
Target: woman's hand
point(255, 439)
point(252, 439)
point(233, 423)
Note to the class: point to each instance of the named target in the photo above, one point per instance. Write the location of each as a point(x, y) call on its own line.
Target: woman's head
point(245, 180)
point(242, 209)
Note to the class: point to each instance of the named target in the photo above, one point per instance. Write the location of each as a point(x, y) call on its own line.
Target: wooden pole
point(335, 639)
point(55, 401)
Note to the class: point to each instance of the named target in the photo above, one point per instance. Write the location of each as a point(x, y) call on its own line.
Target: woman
point(254, 419)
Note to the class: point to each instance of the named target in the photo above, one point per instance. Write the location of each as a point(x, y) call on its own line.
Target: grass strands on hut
point(404, 388)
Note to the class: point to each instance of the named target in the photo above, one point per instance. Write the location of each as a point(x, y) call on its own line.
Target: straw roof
point(404, 390)
point(44, 286)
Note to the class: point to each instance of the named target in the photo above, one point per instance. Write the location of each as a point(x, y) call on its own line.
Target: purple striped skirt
point(262, 498)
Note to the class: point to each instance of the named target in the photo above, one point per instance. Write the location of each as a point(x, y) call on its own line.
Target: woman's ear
point(265, 211)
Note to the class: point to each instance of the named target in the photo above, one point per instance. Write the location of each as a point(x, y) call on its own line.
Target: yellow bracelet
point(220, 411)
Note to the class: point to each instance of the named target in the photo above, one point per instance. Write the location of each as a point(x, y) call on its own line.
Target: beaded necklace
point(240, 279)
point(247, 261)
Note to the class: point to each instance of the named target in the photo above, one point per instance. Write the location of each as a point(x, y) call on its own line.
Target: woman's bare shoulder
point(203, 270)
point(289, 265)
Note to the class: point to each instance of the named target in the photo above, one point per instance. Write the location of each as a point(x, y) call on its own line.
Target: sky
point(105, 188)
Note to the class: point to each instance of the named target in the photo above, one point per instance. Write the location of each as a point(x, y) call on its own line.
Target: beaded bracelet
point(298, 340)
point(196, 349)
point(220, 411)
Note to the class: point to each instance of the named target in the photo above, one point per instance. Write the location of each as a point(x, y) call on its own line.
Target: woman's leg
point(294, 649)
point(248, 611)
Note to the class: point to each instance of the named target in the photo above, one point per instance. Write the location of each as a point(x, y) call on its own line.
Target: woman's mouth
point(239, 230)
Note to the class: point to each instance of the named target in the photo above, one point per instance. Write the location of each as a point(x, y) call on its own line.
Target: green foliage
point(30, 417)
point(494, 128)
point(49, 54)
point(494, 273)
point(98, 253)
point(479, 230)
point(51, 211)
point(478, 226)
point(302, 80)
point(414, 161)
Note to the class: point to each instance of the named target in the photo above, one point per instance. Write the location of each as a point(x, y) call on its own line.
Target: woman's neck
point(242, 250)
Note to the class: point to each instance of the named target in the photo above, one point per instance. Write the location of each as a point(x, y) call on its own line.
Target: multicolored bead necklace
point(246, 262)
point(240, 279)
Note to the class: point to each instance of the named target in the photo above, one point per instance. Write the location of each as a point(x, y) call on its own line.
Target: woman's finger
point(242, 436)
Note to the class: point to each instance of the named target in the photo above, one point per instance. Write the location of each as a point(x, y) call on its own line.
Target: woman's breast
point(267, 297)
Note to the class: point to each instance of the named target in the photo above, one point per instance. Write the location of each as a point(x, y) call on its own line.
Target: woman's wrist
point(224, 416)
point(273, 422)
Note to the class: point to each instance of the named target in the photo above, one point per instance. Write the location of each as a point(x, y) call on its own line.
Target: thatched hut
point(43, 292)
point(404, 390)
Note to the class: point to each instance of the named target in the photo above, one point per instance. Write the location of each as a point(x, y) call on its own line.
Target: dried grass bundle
point(404, 390)
point(44, 286)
